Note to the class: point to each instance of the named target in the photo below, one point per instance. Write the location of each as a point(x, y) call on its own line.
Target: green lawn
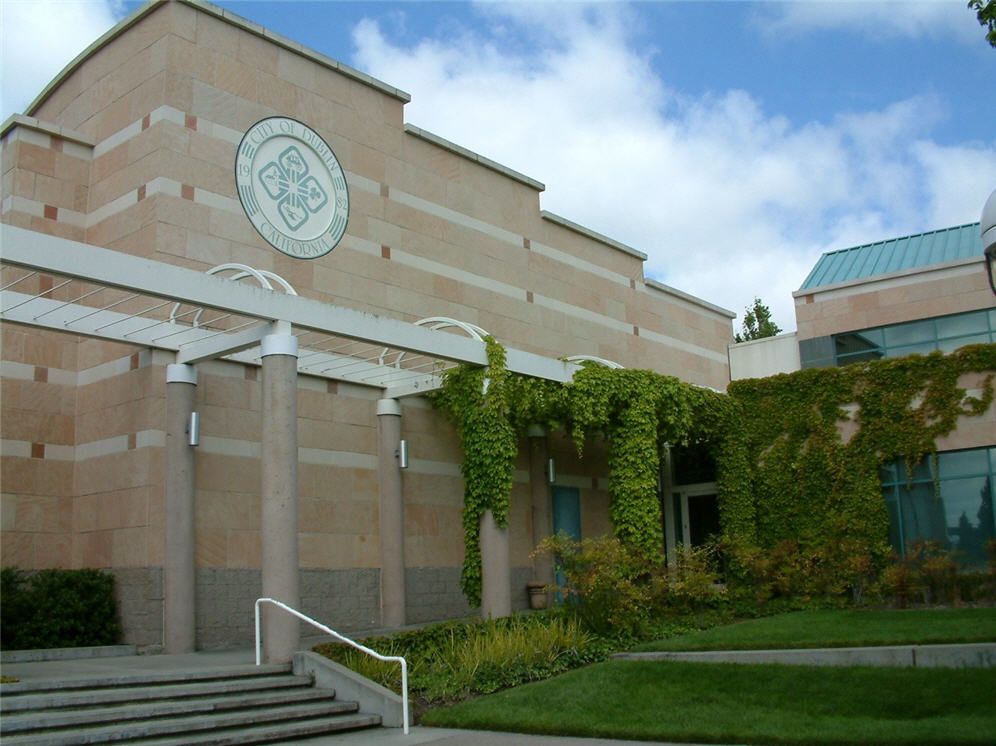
point(765, 704)
point(728, 703)
point(844, 628)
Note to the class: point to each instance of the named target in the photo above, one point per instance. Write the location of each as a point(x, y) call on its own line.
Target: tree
point(985, 11)
point(757, 321)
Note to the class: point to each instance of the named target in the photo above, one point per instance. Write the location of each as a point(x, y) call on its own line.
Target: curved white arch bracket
point(262, 276)
point(438, 322)
point(592, 359)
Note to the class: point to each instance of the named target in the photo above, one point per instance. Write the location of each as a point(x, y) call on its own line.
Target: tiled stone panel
point(154, 117)
point(932, 292)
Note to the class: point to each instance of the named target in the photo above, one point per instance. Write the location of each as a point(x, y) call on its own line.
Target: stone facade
point(131, 149)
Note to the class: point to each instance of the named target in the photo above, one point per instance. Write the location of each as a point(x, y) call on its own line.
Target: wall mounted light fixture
point(194, 429)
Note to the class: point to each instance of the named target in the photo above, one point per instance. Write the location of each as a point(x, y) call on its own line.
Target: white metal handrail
point(336, 635)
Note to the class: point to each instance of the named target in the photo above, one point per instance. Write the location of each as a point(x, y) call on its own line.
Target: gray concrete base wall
point(433, 593)
point(345, 600)
point(226, 600)
point(139, 595)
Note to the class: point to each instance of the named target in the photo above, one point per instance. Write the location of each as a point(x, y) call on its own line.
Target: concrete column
point(281, 631)
point(392, 517)
point(539, 490)
point(496, 574)
point(179, 625)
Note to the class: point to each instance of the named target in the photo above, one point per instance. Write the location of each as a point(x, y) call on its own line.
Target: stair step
point(269, 733)
point(188, 726)
point(41, 719)
point(143, 677)
point(143, 690)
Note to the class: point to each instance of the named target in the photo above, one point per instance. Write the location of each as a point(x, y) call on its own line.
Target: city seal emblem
point(292, 187)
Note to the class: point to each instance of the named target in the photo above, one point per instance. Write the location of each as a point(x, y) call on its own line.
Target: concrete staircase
point(232, 705)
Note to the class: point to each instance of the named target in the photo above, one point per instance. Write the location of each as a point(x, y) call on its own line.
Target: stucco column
point(496, 575)
point(539, 490)
point(281, 631)
point(392, 517)
point(179, 626)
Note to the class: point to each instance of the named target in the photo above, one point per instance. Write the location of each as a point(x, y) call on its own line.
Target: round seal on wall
point(292, 187)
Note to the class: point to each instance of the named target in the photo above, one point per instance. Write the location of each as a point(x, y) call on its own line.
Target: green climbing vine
point(797, 455)
point(477, 401)
point(800, 461)
point(636, 411)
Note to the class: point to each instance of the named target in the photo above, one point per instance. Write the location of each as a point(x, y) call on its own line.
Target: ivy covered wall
point(797, 455)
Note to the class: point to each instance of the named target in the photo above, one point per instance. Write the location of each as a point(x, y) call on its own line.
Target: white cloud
point(872, 18)
point(40, 37)
point(728, 201)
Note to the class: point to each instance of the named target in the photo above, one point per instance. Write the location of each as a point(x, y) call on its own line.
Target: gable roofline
point(228, 17)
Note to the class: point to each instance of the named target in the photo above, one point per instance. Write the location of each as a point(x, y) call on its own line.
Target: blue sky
point(732, 142)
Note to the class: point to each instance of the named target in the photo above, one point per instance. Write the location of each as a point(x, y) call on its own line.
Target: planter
point(537, 594)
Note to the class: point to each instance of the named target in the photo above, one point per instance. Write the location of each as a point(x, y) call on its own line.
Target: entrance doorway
point(567, 511)
point(697, 514)
point(566, 519)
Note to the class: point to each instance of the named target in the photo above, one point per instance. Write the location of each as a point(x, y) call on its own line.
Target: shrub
point(901, 583)
point(688, 584)
point(606, 583)
point(58, 608)
point(454, 659)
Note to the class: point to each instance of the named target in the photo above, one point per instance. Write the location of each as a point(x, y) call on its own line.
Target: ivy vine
point(802, 455)
point(783, 468)
point(477, 401)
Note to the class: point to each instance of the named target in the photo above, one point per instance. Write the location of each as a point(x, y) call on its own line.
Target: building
point(908, 295)
point(214, 236)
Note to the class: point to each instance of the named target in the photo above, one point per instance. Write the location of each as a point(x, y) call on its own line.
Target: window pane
point(887, 473)
point(962, 324)
point(858, 342)
point(860, 357)
point(693, 464)
point(895, 520)
point(923, 516)
point(968, 508)
point(902, 334)
point(950, 345)
point(962, 463)
point(924, 348)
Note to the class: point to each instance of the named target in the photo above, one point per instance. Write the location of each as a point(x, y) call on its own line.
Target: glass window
point(924, 348)
point(956, 511)
point(962, 324)
point(693, 464)
point(904, 334)
point(950, 345)
point(944, 333)
point(962, 463)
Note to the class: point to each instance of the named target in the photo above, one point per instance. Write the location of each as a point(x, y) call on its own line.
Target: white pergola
point(107, 294)
point(57, 284)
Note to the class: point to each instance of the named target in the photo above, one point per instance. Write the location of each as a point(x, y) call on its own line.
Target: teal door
point(567, 511)
point(566, 518)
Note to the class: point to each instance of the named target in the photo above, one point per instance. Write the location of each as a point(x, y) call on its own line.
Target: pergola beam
point(113, 269)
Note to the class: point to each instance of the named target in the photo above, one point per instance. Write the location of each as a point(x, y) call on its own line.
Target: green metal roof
point(895, 255)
